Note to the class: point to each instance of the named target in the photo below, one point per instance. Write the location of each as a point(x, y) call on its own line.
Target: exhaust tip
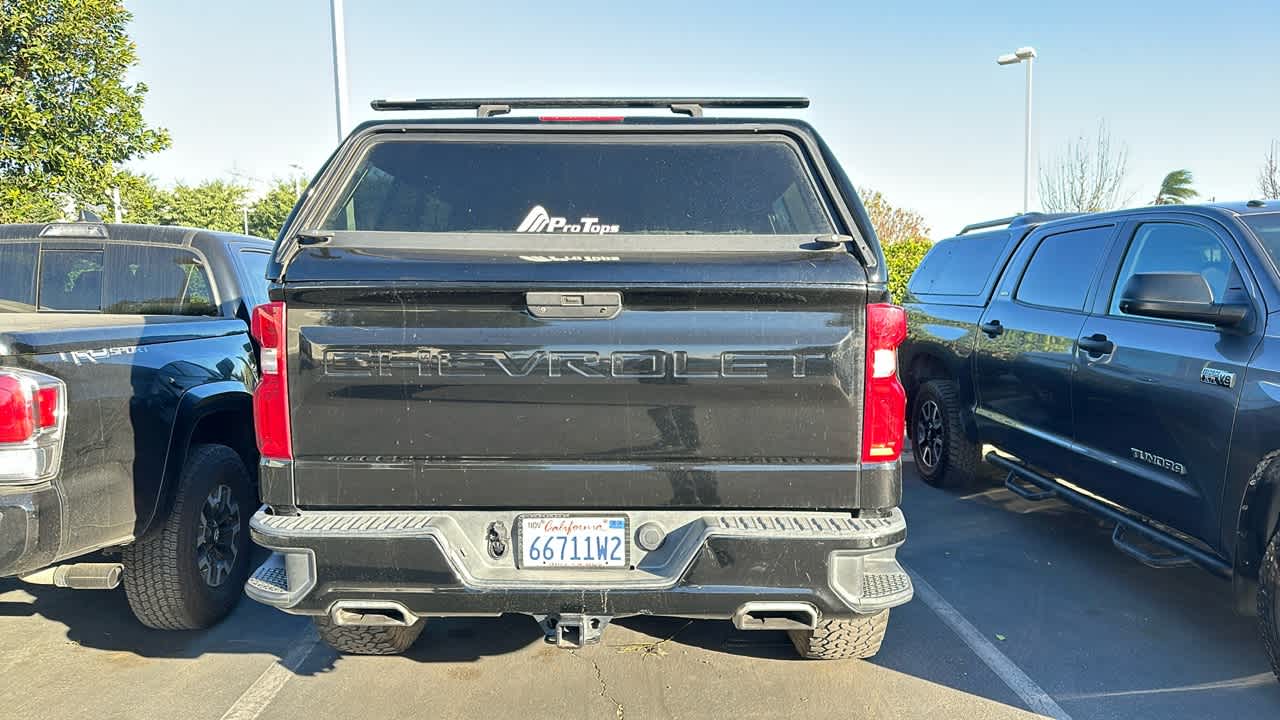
point(79, 576)
point(776, 616)
point(375, 613)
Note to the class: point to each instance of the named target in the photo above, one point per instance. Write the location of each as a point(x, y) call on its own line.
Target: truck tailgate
point(712, 379)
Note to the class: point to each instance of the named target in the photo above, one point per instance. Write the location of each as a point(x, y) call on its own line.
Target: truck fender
point(228, 397)
point(1256, 524)
point(936, 363)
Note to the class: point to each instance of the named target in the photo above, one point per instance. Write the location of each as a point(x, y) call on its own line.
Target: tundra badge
point(1167, 464)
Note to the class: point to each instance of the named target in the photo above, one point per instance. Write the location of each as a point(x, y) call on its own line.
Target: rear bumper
point(30, 528)
point(436, 563)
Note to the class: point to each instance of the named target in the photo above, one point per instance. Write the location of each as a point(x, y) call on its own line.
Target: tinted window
point(722, 187)
point(1267, 228)
point(71, 280)
point(1174, 247)
point(18, 276)
point(1063, 267)
point(255, 273)
point(960, 265)
point(150, 280)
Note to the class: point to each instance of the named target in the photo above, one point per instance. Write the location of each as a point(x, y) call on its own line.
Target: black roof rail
point(1015, 220)
point(691, 106)
point(988, 224)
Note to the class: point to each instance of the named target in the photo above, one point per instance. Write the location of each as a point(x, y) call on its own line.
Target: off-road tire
point(959, 462)
point(1269, 603)
point(843, 638)
point(162, 581)
point(367, 639)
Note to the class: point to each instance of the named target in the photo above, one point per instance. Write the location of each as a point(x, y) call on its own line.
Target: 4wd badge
point(538, 220)
point(1213, 376)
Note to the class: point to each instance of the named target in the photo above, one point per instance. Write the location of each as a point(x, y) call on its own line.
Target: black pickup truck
point(581, 368)
point(126, 372)
point(1127, 363)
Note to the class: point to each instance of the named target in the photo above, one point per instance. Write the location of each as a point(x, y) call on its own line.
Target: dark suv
point(1126, 362)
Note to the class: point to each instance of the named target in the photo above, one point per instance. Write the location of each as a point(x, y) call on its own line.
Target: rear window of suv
point(960, 265)
point(661, 187)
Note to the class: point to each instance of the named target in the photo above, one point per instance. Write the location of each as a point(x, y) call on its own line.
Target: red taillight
point(271, 397)
point(885, 406)
point(33, 412)
point(17, 409)
point(47, 406)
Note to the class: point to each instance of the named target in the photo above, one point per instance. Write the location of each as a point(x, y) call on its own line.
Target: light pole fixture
point(1027, 55)
point(338, 25)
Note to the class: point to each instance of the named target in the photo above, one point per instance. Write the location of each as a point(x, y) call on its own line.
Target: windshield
point(581, 187)
point(1267, 228)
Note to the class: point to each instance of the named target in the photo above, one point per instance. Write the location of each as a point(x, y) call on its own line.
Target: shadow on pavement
point(102, 620)
point(1098, 630)
point(717, 636)
point(451, 640)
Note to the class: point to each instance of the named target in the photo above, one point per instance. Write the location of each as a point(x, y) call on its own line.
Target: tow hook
point(572, 631)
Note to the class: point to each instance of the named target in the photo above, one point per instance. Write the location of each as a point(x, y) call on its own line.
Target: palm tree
point(1175, 189)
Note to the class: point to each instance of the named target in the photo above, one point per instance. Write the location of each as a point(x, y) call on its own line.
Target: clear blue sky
point(911, 100)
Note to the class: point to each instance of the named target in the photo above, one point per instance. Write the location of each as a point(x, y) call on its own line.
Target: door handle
point(992, 328)
point(1097, 344)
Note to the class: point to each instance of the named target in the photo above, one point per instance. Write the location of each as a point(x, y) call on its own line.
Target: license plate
point(573, 541)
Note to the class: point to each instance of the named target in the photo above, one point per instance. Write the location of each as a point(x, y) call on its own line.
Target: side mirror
point(1179, 296)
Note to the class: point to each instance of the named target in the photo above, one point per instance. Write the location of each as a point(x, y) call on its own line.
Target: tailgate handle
point(574, 305)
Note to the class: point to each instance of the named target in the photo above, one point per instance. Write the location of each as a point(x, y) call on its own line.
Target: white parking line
point(272, 680)
point(1032, 694)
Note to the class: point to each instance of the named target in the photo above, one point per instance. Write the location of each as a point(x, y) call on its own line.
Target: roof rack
point(691, 106)
point(1015, 220)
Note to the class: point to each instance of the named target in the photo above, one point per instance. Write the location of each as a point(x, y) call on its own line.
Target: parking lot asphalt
point(1022, 607)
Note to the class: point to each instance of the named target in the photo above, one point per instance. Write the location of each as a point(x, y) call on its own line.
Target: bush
point(902, 258)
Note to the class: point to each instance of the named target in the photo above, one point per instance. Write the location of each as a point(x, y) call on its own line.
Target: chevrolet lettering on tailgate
point(368, 362)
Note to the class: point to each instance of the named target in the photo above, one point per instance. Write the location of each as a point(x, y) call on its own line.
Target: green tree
point(902, 259)
point(1175, 189)
point(67, 117)
point(903, 235)
point(213, 204)
point(268, 214)
point(892, 224)
point(141, 199)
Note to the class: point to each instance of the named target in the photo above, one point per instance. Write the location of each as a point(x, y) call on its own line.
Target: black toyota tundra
point(1127, 363)
point(581, 368)
point(125, 412)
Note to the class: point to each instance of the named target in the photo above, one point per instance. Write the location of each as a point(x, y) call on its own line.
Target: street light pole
point(1024, 55)
point(339, 65)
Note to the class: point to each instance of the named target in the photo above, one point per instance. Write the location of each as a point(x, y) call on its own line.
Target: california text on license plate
point(573, 541)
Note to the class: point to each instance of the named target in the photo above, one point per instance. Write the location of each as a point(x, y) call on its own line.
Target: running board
point(1176, 545)
point(1017, 488)
point(1131, 548)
